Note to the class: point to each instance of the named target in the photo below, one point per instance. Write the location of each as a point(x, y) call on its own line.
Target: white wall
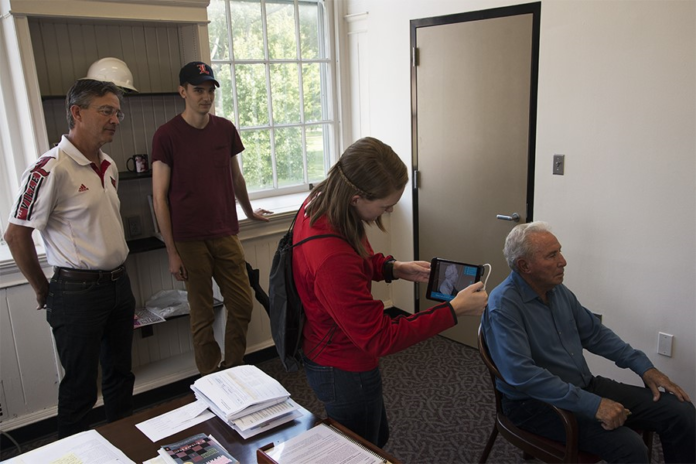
point(617, 96)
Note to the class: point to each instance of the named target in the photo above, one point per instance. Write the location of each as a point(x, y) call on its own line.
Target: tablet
point(449, 277)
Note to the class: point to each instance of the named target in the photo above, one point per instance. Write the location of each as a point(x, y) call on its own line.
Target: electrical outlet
point(664, 344)
point(559, 164)
point(135, 226)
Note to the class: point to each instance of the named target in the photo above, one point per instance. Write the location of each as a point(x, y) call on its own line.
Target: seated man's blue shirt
point(538, 347)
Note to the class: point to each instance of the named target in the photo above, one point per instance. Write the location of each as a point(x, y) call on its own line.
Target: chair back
point(492, 369)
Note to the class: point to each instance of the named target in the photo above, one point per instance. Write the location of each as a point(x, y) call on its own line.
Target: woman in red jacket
point(346, 331)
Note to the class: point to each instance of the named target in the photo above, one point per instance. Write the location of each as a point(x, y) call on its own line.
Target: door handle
point(515, 217)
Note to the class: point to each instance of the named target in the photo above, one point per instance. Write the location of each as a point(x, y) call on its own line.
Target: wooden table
point(124, 435)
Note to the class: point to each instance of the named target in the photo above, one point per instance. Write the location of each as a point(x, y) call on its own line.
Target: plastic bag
point(169, 303)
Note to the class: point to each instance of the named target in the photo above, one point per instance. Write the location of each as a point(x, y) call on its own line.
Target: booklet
point(199, 448)
point(265, 419)
point(239, 391)
point(144, 316)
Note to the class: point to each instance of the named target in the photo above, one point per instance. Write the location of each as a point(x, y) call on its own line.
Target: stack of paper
point(247, 399)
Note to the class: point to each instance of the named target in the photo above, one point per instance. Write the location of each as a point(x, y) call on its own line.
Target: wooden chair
point(533, 445)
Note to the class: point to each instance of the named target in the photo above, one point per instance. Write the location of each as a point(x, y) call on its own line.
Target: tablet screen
point(449, 277)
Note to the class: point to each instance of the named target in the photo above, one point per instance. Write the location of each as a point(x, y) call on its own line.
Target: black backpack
point(285, 310)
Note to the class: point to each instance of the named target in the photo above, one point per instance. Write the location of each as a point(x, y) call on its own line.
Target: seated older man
point(536, 331)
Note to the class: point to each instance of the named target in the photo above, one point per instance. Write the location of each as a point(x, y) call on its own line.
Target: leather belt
point(85, 275)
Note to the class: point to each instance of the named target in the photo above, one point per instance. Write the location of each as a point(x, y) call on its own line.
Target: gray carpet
point(439, 401)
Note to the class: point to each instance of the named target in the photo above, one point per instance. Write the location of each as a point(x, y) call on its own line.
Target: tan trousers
point(221, 259)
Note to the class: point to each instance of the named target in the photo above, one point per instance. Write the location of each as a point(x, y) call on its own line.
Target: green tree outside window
point(271, 59)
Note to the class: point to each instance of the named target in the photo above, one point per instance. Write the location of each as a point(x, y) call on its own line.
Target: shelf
point(142, 245)
point(124, 176)
point(163, 372)
point(149, 330)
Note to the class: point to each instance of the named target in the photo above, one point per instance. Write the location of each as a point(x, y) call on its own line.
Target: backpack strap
point(318, 236)
point(292, 226)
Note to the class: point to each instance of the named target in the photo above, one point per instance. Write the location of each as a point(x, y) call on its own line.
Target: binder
point(264, 454)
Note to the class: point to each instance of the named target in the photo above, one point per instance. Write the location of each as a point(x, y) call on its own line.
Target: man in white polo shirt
point(70, 196)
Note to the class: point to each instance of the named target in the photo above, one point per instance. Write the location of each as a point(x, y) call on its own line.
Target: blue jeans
point(353, 399)
point(92, 323)
point(672, 419)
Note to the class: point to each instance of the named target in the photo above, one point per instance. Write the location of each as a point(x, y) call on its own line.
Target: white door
point(473, 94)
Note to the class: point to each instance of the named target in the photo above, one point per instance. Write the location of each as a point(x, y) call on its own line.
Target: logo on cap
point(203, 69)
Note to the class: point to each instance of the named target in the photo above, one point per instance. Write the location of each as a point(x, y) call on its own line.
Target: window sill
point(280, 205)
point(284, 208)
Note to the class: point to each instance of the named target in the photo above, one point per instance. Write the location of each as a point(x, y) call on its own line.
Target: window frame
point(329, 92)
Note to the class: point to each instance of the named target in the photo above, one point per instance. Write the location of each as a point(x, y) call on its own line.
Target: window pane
point(316, 137)
point(280, 23)
point(224, 103)
point(285, 90)
point(252, 98)
point(288, 130)
point(288, 147)
point(217, 30)
point(309, 30)
point(247, 30)
point(256, 160)
point(311, 83)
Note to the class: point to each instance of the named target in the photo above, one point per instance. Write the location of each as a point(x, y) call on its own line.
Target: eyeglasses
point(109, 111)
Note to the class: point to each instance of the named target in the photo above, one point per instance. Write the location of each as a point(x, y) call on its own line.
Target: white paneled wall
point(65, 49)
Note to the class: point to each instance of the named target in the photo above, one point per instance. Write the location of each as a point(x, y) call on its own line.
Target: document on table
point(175, 421)
point(84, 448)
point(322, 444)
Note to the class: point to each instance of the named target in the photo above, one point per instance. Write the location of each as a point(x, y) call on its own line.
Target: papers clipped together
point(247, 399)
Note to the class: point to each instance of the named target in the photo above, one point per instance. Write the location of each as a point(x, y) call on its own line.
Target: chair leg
point(489, 445)
point(648, 440)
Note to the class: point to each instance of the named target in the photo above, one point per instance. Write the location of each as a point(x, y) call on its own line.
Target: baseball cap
point(196, 73)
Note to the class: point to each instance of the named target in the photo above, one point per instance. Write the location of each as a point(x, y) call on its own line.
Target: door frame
point(529, 8)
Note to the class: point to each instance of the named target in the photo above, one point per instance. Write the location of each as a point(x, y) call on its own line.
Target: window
point(272, 60)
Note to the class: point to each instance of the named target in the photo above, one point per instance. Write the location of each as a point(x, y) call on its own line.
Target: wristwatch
point(388, 270)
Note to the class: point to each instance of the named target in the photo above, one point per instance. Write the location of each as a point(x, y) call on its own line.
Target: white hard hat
point(112, 70)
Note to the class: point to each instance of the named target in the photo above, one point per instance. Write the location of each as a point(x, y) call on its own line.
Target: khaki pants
point(221, 259)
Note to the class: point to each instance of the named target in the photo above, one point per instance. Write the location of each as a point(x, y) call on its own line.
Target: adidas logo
point(82, 188)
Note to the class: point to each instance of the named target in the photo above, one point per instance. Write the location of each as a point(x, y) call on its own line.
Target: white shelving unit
point(56, 41)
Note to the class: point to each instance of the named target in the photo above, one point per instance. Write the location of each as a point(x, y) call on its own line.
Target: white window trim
point(19, 143)
point(333, 101)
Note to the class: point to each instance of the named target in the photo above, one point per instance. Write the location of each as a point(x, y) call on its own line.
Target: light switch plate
point(558, 164)
point(664, 344)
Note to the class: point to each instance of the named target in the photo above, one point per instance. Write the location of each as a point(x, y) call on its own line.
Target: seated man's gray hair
point(516, 244)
